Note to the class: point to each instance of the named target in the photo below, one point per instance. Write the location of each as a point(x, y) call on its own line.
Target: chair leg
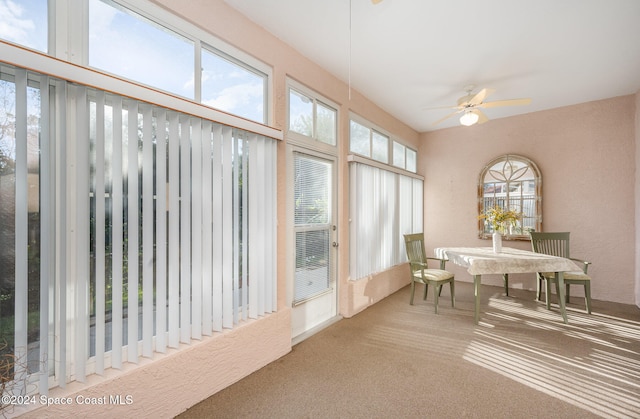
point(436, 294)
point(506, 284)
point(547, 291)
point(426, 288)
point(587, 296)
point(538, 287)
point(413, 290)
point(453, 293)
point(557, 291)
point(567, 293)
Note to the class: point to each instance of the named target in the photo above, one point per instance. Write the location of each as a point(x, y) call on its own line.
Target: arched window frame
point(510, 171)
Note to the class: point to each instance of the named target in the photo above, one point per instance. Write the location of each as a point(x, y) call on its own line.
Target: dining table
point(484, 261)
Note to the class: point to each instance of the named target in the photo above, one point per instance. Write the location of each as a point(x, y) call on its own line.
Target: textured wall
point(586, 154)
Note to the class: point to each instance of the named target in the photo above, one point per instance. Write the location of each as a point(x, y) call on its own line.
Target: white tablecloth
point(482, 260)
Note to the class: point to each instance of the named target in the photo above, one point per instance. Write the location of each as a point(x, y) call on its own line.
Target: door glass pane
point(25, 22)
point(232, 88)
point(128, 45)
point(312, 215)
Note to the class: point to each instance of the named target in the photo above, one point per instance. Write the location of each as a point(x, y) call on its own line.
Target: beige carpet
point(399, 361)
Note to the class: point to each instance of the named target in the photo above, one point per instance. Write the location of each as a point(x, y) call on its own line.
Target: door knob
point(334, 244)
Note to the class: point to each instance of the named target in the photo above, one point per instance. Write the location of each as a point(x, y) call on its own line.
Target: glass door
point(314, 285)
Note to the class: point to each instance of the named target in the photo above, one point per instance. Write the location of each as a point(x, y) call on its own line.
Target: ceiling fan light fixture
point(469, 118)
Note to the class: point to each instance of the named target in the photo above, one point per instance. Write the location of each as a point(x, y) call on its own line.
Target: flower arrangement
point(500, 218)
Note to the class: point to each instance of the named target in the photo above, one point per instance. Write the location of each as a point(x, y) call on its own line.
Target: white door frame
point(309, 316)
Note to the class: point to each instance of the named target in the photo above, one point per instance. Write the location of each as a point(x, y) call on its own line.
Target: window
point(232, 86)
point(151, 236)
point(399, 154)
point(311, 118)
point(25, 23)
point(369, 142)
point(124, 43)
point(384, 206)
point(145, 44)
point(511, 182)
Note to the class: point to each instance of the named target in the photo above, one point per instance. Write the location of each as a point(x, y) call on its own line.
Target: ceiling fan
point(470, 104)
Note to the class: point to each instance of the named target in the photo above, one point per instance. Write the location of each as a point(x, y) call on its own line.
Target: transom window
point(311, 117)
point(513, 183)
point(370, 142)
point(147, 45)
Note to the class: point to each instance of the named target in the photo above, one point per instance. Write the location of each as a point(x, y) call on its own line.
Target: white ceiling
point(411, 55)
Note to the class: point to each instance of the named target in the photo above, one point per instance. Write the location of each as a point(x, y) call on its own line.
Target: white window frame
point(69, 33)
point(391, 141)
point(301, 139)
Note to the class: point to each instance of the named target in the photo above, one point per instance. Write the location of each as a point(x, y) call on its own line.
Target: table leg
point(476, 288)
point(561, 296)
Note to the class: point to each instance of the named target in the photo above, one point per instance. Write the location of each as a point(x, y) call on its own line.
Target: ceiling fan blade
point(508, 102)
point(480, 96)
point(482, 118)
point(445, 118)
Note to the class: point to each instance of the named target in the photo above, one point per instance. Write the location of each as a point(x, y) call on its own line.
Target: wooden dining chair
point(557, 244)
point(421, 273)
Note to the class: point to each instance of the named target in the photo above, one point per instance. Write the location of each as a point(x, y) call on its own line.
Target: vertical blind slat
point(217, 239)
point(246, 149)
point(273, 235)
point(62, 231)
point(132, 233)
point(254, 254)
point(161, 230)
point(147, 231)
point(185, 230)
point(174, 230)
point(227, 229)
point(236, 227)
point(100, 225)
point(117, 238)
point(47, 244)
point(207, 220)
point(21, 233)
point(261, 226)
point(196, 228)
point(81, 326)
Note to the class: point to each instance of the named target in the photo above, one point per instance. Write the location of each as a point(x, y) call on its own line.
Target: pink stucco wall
point(586, 154)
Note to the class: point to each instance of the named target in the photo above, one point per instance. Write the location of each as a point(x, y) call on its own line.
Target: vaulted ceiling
point(409, 56)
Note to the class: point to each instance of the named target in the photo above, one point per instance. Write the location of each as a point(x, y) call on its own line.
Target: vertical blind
point(127, 228)
point(384, 206)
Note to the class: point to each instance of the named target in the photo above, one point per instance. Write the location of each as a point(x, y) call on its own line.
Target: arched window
point(513, 183)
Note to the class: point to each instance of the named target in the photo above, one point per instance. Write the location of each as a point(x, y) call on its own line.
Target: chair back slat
point(555, 244)
point(414, 245)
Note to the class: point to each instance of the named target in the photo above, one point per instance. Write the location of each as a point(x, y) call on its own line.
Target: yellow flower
point(500, 218)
